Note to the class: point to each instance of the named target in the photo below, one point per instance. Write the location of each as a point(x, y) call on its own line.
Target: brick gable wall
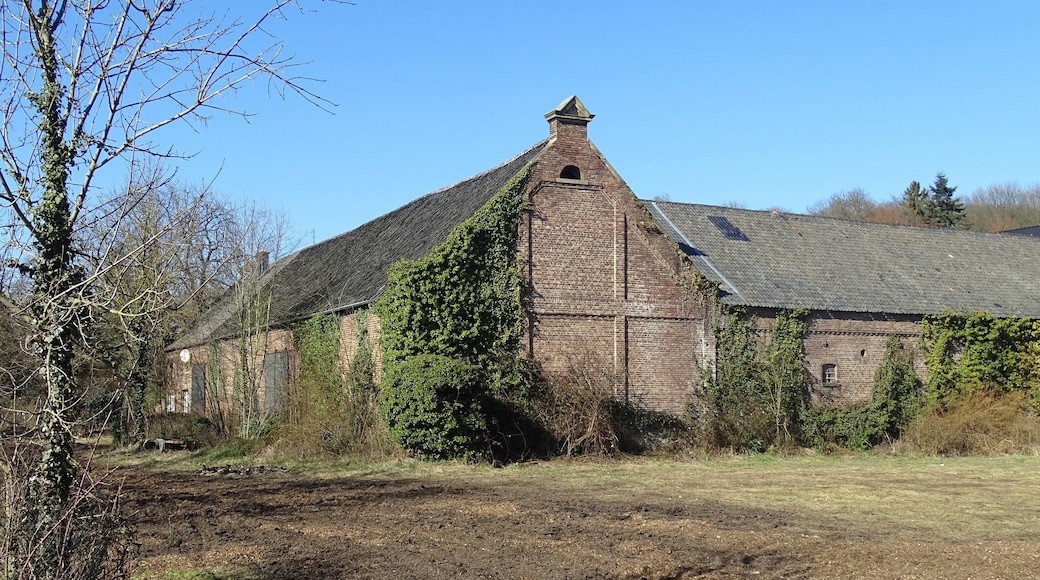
point(602, 281)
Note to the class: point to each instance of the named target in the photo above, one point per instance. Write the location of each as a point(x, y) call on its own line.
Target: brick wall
point(855, 344)
point(179, 372)
point(348, 341)
point(602, 282)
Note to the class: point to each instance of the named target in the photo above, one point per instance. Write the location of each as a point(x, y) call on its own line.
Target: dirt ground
point(277, 524)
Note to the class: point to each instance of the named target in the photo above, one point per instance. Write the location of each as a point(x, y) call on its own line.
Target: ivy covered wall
point(463, 299)
point(977, 351)
point(461, 305)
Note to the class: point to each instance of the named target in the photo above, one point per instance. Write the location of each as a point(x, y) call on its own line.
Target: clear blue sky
point(764, 104)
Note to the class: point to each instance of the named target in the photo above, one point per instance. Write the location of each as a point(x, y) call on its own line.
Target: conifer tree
point(942, 209)
point(914, 203)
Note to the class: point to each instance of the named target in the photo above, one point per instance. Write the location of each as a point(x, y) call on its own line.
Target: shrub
point(856, 428)
point(976, 423)
point(327, 414)
point(754, 396)
point(976, 351)
point(432, 406)
point(639, 429)
point(461, 302)
point(574, 408)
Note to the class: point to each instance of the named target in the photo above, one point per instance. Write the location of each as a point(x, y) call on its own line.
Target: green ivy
point(432, 407)
point(320, 383)
point(462, 301)
point(785, 375)
point(754, 398)
point(362, 368)
point(977, 351)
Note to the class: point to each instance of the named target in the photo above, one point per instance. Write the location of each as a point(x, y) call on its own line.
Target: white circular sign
point(185, 355)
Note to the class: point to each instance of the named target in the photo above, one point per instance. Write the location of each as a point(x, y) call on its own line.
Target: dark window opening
point(276, 380)
point(197, 402)
point(830, 375)
point(570, 172)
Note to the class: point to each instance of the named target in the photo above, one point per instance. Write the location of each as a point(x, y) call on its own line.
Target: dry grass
point(871, 515)
point(976, 423)
point(953, 499)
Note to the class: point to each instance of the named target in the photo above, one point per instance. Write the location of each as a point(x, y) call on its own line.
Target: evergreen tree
point(941, 208)
point(915, 199)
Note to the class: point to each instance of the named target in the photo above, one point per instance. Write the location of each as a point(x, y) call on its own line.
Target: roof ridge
point(541, 143)
point(812, 217)
point(432, 193)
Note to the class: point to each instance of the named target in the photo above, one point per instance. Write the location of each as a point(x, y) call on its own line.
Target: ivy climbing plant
point(977, 351)
point(754, 396)
point(331, 411)
point(461, 301)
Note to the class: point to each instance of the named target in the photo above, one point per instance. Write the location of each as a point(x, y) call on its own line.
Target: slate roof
point(1026, 231)
point(799, 261)
point(350, 270)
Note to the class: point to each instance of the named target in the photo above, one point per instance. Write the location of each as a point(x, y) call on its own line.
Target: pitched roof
point(350, 270)
point(781, 260)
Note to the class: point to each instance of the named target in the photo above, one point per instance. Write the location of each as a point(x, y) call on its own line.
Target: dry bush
point(331, 412)
point(976, 423)
point(347, 425)
point(574, 407)
point(89, 540)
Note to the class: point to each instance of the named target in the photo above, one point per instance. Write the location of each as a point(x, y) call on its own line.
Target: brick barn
point(609, 280)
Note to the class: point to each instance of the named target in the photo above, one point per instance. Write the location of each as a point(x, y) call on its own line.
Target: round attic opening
point(570, 172)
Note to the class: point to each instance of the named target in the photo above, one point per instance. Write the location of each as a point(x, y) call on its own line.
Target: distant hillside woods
point(991, 209)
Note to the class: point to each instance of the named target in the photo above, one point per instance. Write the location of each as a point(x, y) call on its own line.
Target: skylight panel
point(728, 229)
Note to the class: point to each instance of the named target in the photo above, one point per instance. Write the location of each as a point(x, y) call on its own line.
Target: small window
point(171, 403)
point(570, 172)
point(830, 375)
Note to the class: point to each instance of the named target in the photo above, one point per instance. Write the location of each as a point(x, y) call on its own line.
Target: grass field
point(865, 515)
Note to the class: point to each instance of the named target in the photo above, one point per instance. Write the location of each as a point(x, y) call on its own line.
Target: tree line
point(994, 208)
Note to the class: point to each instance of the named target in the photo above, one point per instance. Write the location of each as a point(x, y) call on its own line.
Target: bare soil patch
point(599, 520)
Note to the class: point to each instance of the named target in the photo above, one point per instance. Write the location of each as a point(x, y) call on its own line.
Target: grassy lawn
point(954, 499)
point(943, 498)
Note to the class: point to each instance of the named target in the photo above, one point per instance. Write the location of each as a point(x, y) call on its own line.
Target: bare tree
point(176, 248)
point(1004, 207)
point(854, 204)
point(86, 85)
